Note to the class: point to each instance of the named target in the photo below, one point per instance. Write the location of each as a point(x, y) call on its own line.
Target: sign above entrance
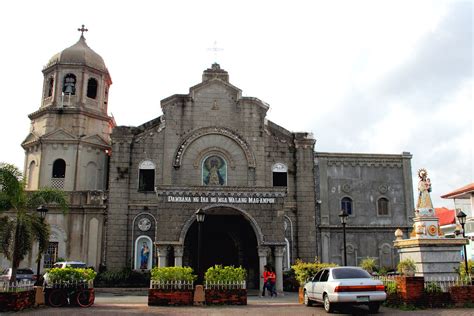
point(220, 200)
point(222, 195)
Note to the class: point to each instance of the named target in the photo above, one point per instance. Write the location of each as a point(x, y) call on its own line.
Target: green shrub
point(70, 274)
point(406, 267)
point(384, 270)
point(391, 287)
point(218, 273)
point(124, 277)
point(432, 288)
point(305, 270)
point(368, 264)
point(462, 269)
point(172, 274)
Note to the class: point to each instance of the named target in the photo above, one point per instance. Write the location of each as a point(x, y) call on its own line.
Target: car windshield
point(24, 271)
point(347, 273)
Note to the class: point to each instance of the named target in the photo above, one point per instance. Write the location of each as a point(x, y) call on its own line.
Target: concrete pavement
point(134, 302)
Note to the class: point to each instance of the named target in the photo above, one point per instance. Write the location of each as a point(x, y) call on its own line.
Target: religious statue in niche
point(214, 171)
point(424, 206)
point(144, 255)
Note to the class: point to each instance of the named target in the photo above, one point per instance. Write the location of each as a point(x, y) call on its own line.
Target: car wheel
point(328, 306)
point(307, 301)
point(374, 307)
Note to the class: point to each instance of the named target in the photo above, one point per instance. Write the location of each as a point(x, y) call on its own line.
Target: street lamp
point(343, 217)
point(42, 212)
point(200, 216)
point(462, 220)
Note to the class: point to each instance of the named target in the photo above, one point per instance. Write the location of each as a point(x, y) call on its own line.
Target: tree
point(19, 232)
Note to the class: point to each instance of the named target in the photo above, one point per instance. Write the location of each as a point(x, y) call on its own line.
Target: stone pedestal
point(434, 258)
point(199, 297)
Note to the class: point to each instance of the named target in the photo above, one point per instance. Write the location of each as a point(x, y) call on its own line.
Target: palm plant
point(19, 232)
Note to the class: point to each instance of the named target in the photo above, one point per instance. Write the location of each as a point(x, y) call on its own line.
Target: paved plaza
point(118, 302)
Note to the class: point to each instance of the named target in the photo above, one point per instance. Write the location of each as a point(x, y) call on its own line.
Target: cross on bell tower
point(82, 30)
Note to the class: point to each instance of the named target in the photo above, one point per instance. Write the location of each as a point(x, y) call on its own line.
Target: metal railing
point(385, 279)
point(444, 283)
point(223, 285)
point(70, 284)
point(21, 286)
point(171, 285)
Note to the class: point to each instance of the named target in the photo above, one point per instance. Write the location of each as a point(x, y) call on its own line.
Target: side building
point(376, 191)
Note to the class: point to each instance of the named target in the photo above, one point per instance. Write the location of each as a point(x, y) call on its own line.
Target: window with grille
point(51, 255)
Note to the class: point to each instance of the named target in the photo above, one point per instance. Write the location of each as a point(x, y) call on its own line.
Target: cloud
point(424, 105)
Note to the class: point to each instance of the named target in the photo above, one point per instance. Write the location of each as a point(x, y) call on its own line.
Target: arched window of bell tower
point(59, 168)
point(49, 90)
point(92, 88)
point(69, 84)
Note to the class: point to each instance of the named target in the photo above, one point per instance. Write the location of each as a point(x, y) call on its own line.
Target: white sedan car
point(344, 285)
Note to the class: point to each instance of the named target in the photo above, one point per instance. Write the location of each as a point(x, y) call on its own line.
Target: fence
point(223, 285)
point(171, 285)
point(444, 283)
point(385, 279)
point(16, 286)
point(440, 282)
point(70, 284)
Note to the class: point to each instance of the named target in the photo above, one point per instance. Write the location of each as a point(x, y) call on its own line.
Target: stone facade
point(364, 179)
point(269, 198)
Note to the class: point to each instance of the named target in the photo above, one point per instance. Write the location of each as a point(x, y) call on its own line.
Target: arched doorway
point(228, 239)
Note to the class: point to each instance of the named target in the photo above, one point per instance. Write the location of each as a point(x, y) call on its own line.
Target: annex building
point(269, 196)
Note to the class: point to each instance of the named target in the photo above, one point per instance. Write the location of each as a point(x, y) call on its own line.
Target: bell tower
point(69, 140)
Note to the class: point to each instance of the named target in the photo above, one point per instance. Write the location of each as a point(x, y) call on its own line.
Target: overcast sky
point(363, 76)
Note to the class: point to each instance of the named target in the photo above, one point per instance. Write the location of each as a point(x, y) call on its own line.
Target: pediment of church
point(59, 135)
point(214, 86)
point(96, 140)
point(31, 138)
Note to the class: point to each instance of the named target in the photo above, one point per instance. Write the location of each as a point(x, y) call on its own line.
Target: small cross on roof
point(82, 30)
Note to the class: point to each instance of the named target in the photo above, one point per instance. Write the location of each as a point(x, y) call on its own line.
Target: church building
point(267, 195)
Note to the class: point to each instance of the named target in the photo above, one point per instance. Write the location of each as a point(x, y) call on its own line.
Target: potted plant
point(369, 265)
point(171, 286)
point(304, 271)
point(70, 286)
point(225, 285)
point(407, 267)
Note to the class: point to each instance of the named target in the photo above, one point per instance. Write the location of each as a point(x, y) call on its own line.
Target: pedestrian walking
point(266, 282)
point(272, 282)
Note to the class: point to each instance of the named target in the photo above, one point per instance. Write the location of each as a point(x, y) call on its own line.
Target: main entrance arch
point(228, 239)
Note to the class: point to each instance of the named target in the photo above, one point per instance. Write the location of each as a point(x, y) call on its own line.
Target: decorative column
point(178, 256)
point(162, 253)
point(263, 252)
point(279, 251)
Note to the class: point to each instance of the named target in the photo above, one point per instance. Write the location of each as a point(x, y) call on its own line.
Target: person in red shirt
point(272, 282)
point(266, 284)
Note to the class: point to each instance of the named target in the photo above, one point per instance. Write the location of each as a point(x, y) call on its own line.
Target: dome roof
point(79, 54)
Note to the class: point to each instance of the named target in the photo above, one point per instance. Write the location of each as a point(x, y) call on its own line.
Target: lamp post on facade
point(343, 217)
point(42, 212)
point(200, 216)
point(462, 220)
